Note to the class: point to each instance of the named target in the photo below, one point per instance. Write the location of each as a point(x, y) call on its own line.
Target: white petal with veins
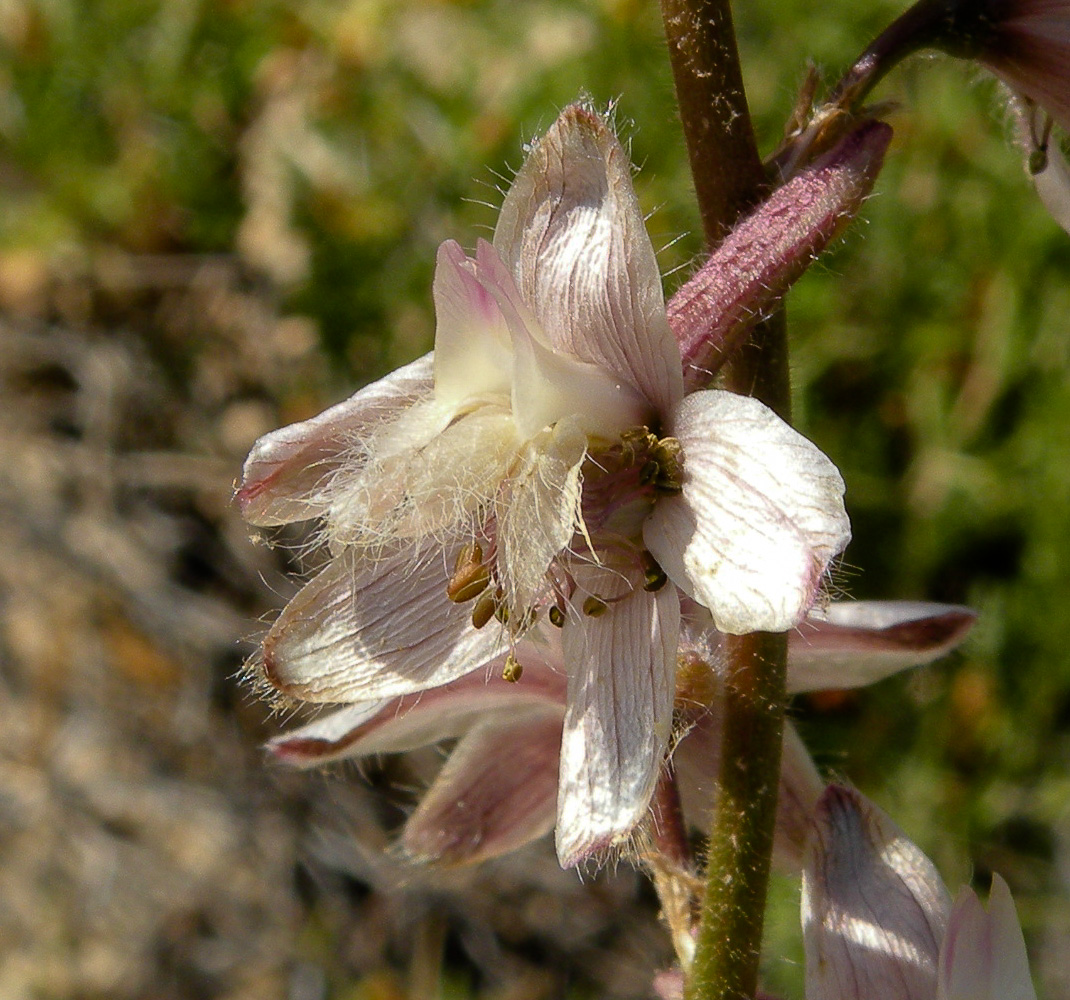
point(621, 669)
point(371, 627)
point(760, 517)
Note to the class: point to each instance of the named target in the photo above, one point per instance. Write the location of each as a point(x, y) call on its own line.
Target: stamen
point(654, 577)
point(470, 575)
point(484, 610)
point(557, 617)
point(668, 453)
point(594, 607)
point(512, 671)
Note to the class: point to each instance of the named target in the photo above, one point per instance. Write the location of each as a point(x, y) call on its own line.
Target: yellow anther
point(512, 671)
point(483, 612)
point(593, 607)
point(470, 576)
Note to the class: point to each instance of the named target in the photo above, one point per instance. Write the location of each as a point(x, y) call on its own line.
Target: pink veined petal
point(285, 474)
point(853, 643)
point(874, 908)
point(572, 233)
point(539, 510)
point(399, 724)
point(472, 346)
point(621, 668)
point(548, 385)
point(760, 517)
point(371, 627)
point(983, 956)
point(497, 792)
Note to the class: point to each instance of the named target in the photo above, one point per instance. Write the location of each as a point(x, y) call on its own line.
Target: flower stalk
point(729, 179)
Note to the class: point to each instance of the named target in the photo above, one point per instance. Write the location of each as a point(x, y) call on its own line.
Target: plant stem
point(729, 941)
point(729, 180)
point(725, 164)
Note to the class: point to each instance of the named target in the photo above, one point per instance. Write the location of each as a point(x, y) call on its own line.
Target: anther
point(470, 576)
point(483, 612)
point(654, 577)
point(593, 607)
point(512, 671)
point(557, 617)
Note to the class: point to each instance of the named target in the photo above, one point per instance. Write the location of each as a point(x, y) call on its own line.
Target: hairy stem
point(729, 180)
point(725, 164)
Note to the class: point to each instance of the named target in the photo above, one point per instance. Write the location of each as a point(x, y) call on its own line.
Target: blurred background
point(216, 218)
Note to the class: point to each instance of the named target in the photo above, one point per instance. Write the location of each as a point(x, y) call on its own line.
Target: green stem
point(729, 940)
point(729, 180)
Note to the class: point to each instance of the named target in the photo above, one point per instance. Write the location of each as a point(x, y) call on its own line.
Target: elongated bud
point(769, 250)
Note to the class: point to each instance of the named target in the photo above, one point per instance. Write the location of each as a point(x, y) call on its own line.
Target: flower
point(878, 920)
point(498, 790)
point(545, 464)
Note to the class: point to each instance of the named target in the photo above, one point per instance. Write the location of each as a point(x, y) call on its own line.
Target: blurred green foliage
point(331, 146)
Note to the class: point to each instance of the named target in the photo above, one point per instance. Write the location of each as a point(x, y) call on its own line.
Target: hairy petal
point(620, 691)
point(983, 955)
point(395, 725)
point(370, 627)
point(539, 509)
point(853, 643)
point(497, 792)
point(874, 908)
point(760, 517)
point(287, 473)
point(572, 233)
point(433, 488)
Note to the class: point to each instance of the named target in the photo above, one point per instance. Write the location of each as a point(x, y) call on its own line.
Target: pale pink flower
point(878, 920)
point(546, 462)
point(499, 788)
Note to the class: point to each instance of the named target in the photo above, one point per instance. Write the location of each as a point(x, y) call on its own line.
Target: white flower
point(546, 463)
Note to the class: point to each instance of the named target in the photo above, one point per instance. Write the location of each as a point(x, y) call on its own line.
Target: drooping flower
point(498, 790)
point(878, 920)
point(546, 465)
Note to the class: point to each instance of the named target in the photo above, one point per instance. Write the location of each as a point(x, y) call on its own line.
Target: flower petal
point(621, 667)
point(433, 487)
point(539, 510)
point(572, 233)
point(370, 627)
point(398, 724)
point(287, 470)
point(853, 643)
point(760, 517)
point(983, 955)
point(548, 385)
point(874, 908)
point(473, 356)
point(497, 792)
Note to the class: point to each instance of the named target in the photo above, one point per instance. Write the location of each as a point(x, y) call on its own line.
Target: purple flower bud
point(770, 249)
